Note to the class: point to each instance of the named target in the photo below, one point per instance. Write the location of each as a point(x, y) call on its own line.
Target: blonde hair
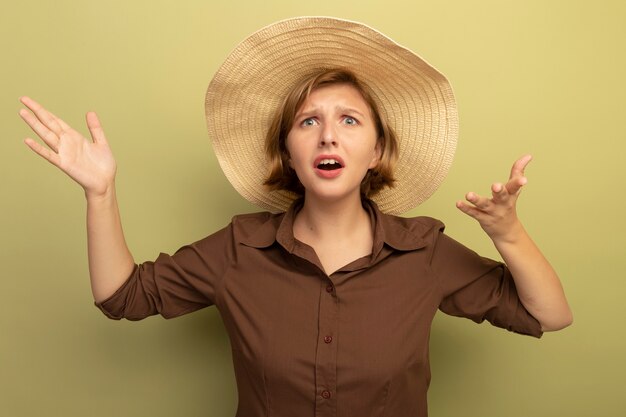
point(283, 177)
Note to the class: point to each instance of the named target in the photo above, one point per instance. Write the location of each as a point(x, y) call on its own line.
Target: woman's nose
point(328, 136)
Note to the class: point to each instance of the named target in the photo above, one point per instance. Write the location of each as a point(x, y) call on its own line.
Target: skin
point(538, 285)
point(91, 164)
point(333, 120)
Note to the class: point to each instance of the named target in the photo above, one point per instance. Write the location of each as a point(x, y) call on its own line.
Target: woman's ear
point(377, 154)
point(286, 158)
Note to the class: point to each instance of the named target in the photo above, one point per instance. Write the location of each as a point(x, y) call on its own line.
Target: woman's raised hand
point(497, 215)
point(538, 285)
point(88, 162)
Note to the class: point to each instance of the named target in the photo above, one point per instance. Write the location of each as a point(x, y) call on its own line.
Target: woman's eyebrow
point(343, 109)
point(310, 111)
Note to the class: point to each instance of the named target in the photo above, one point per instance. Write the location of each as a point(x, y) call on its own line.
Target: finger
point(519, 166)
point(44, 116)
point(499, 193)
point(515, 185)
point(480, 202)
point(95, 128)
point(49, 137)
point(469, 210)
point(42, 151)
point(60, 121)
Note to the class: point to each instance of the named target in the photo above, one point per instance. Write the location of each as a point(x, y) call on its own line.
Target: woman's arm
point(537, 283)
point(92, 166)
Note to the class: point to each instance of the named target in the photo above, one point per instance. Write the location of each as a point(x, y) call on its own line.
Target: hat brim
point(415, 98)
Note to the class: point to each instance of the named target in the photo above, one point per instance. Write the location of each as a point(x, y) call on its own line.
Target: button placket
point(326, 354)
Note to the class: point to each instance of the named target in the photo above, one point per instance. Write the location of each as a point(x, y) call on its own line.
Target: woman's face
point(333, 142)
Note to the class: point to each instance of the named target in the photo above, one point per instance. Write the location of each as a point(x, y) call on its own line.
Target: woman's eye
point(350, 120)
point(308, 122)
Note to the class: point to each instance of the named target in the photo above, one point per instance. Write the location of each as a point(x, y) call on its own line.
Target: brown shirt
point(351, 344)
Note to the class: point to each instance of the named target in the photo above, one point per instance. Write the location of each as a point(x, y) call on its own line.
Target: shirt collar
point(391, 230)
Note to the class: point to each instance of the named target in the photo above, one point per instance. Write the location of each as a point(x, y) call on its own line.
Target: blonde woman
point(328, 296)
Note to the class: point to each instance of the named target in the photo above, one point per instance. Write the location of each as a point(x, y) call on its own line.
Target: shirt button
point(328, 339)
point(329, 288)
point(326, 394)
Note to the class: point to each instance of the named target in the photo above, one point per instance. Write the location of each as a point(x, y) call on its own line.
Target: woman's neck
point(320, 220)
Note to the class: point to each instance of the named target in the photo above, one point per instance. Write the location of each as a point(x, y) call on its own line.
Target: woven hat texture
point(247, 89)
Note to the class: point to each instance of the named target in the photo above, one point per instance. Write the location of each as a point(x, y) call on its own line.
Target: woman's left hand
point(497, 215)
point(538, 285)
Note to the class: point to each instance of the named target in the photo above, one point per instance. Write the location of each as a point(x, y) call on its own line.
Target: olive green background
point(544, 77)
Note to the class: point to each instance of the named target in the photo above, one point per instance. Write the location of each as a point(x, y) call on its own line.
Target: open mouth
point(329, 165)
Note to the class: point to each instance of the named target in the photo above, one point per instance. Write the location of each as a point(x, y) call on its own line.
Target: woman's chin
point(332, 194)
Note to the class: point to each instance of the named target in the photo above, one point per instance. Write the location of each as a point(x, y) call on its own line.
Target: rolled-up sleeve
point(173, 285)
point(479, 288)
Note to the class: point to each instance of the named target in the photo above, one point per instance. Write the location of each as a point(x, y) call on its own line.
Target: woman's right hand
point(89, 163)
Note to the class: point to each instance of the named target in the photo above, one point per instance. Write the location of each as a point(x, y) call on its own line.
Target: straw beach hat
point(414, 97)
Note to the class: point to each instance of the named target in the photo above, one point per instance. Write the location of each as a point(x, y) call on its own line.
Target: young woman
point(327, 299)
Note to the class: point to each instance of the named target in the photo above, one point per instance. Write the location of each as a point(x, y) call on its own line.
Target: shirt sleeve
point(173, 285)
point(479, 288)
